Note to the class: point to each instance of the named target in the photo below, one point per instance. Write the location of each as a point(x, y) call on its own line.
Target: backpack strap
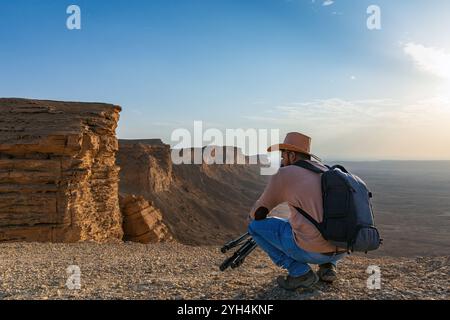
point(310, 219)
point(308, 166)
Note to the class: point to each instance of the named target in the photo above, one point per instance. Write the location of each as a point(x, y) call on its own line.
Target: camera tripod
point(239, 256)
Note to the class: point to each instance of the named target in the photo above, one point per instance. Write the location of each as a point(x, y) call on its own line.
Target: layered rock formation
point(200, 203)
point(142, 222)
point(58, 177)
point(145, 165)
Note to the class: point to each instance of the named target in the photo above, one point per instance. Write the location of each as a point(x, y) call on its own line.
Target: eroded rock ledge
point(142, 222)
point(58, 177)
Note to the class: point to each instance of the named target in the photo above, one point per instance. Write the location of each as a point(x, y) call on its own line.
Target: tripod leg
point(239, 256)
point(250, 246)
point(235, 255)
point(234, 243)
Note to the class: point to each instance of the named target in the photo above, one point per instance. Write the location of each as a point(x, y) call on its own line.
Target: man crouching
point(295, 243)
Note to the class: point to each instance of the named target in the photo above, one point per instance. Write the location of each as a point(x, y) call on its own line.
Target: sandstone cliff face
point(201, 204)
point(58, 177)
point(142, 222)
point(145, 165)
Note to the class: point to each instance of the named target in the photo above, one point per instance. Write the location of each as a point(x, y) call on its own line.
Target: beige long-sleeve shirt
point(299, 188)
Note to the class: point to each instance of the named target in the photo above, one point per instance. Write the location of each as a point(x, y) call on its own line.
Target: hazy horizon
point(355, 159)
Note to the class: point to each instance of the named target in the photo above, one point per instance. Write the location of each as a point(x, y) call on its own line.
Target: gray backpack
point(347, 211)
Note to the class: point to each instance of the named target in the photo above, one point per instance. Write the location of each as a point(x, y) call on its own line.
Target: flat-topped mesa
point(58, 177)
point(150, 142)
point(224, 155)
point(211, 155)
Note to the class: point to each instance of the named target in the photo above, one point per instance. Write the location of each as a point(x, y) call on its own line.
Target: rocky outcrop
point(142, 222)
point(145, 165)
point(200, 203)
point(58, 176)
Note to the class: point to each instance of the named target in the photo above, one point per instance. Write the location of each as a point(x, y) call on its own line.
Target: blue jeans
point(275, 237)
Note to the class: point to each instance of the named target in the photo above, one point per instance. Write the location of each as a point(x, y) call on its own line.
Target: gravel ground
point(175, 271)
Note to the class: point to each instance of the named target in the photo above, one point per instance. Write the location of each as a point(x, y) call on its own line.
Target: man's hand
point(261, 213)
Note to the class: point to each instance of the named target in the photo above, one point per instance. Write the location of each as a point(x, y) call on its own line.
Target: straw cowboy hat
point(296, 142)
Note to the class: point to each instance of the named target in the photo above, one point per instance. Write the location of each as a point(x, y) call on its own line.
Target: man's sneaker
point(327, 272)
point(292, 283)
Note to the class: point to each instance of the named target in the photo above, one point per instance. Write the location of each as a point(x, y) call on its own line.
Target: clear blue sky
point(289, 64)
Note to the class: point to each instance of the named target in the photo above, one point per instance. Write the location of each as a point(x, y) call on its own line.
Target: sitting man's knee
point(256, 225)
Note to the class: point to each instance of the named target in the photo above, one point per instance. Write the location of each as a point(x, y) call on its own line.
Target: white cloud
point(432, 60)
point(347, 115)
point(332, 111)
point(327, 2)
point(368, 128)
